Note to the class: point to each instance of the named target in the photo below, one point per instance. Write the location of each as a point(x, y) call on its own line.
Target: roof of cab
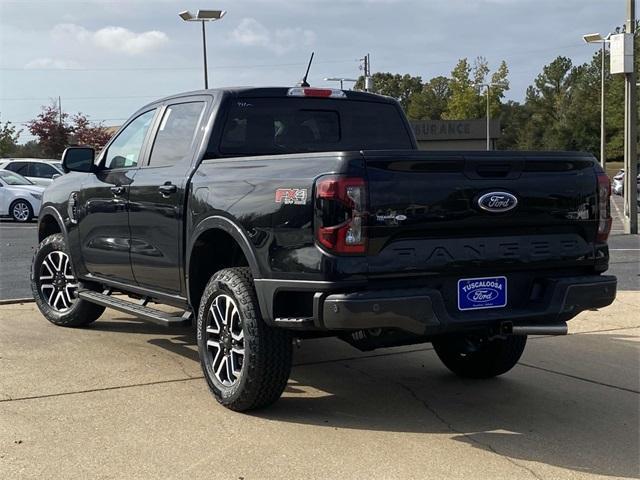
point(252, 92)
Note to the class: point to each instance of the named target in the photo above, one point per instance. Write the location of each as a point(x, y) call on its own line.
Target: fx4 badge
point(291, 196)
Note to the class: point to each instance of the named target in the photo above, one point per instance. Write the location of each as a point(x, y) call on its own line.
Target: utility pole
point(603, 160)
point(630, 137)
point(368, 84)
point(59, 111)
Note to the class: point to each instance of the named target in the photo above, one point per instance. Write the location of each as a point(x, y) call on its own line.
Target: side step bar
point(301, 323)
point(554, 329)
point(138, 310)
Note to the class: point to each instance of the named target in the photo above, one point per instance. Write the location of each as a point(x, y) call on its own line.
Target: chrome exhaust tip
point(555, 329)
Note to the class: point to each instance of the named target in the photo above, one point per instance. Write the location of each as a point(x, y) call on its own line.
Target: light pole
point(203, 16)
point(630, 134)
point(341, 80)
point(597, 38)
point(488, 86)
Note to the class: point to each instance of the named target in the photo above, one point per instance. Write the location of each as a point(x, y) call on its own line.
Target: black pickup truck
point(270, 214)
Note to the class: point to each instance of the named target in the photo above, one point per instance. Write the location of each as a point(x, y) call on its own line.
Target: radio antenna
point(304, 82)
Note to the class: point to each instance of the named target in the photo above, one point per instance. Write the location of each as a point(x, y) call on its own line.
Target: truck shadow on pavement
point(528, 415)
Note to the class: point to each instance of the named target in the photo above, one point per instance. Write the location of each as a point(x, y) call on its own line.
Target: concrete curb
point(11, 301)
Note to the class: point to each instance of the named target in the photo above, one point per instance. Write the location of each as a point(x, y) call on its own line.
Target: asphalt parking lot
point(125, 399)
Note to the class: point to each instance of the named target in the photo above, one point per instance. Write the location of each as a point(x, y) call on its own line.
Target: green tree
point(30, 149)
point(431, 102)
point(548, 101)
point(8, 139)
point(468, 98)
point(514, 118)
point(500, 84)
point(400, 87)
point(463, 102)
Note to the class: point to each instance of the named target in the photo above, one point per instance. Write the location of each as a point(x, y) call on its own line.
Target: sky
point(107, 58)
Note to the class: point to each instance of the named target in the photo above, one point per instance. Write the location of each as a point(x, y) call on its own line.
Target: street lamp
point(488, 86)
point(597, 38)
point(341, 80)
point(203, 16)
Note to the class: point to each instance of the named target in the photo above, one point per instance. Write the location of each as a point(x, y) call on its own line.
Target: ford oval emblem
point(497, 202)
point(482, 295)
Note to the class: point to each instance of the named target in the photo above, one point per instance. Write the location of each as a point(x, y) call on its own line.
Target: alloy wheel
point(57, 282)
point(225, 340)
point(20, 211)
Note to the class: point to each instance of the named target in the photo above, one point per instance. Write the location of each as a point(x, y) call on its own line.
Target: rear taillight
point(604, 207)
point(341, 214)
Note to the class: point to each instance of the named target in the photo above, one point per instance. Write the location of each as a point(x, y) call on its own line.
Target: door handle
point(117, 190)
point(167, 189)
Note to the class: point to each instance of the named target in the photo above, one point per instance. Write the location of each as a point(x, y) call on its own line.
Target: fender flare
point(51, 211)
point(48, 210)
point(226, 225)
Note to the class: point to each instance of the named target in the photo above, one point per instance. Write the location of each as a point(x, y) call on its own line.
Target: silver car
point(38, 170)
point(20, 199)
point(617, 183)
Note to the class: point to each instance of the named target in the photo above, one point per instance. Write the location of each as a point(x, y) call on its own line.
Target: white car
point(617, 183)
point(20, 199)
point(39, 170)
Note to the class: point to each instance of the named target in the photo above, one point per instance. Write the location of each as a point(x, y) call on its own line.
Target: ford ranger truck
point(270, 214)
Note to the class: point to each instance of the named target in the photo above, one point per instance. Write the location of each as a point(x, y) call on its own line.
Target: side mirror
point(79, 159)
point(55, 175)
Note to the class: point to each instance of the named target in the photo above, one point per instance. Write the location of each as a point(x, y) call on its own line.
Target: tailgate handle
point(480, 169)
point(493, 170)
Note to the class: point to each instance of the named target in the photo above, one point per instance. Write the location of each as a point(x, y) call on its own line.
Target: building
point(455, 134)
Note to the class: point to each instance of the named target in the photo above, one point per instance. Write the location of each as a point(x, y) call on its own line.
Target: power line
point(25, 99)
point(127, 69)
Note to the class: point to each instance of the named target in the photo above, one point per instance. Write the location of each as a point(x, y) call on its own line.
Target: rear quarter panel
point(244, 191)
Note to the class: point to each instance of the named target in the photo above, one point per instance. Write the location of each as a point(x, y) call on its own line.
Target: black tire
point(80, 312)
point(26, 206)
point(266, 361)
point(480, 357)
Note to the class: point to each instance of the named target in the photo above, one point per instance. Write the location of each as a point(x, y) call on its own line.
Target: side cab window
point(176, 133)
point(126, 149)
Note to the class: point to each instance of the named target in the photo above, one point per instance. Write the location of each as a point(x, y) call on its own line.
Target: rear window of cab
point(271, 126)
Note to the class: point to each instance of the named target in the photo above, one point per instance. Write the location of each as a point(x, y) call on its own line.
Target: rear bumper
point(422, 311)
point(425, 311)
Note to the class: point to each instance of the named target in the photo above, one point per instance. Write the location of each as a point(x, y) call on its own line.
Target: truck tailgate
point(425, 212)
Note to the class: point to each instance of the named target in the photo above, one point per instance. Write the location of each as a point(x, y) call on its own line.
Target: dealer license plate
point(484, 292)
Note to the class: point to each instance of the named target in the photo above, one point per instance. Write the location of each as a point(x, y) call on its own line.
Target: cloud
point(51, 63)
point(120, 39)
point(252, 33)
point(114, 39)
